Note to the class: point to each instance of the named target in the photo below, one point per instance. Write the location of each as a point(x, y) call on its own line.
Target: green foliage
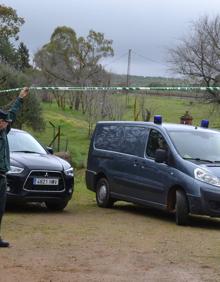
point(10, 22)
point(13, 64)
point(10, 25)
point(7, 52)
point(16, 58)
point(31, 114)
point(97, 47)
point(64, 38)
point(71, 60)
point(22, 55)
point(10, 78)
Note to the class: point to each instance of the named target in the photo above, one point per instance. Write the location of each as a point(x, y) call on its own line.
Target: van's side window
point(134, 141)
point(155, 141)
point(109, 137)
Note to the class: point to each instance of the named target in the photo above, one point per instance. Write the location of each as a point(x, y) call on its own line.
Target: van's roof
point(167, 126)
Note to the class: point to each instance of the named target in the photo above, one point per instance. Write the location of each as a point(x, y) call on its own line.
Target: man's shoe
point(3, 244)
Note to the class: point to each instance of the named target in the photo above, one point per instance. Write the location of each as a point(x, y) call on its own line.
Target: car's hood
point(213, 168)
point(37, 161)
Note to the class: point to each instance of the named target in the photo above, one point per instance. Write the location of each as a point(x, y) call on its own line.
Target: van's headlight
point(206, 177)
point(69, 171)
point(15, 169)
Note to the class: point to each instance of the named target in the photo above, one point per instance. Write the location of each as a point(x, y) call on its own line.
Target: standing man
point(6, 118)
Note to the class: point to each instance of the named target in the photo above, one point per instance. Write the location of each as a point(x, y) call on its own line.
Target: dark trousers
point(3, 186)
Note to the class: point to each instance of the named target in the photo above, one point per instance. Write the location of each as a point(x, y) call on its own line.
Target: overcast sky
point(147, 27)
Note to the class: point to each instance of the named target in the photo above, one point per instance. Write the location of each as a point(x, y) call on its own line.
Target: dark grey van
point(167, 166)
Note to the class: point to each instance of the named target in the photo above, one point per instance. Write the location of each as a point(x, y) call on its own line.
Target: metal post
point(58, 139)
point(128, 69)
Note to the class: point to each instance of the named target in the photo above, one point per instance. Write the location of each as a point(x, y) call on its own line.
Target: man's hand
point(24, 92)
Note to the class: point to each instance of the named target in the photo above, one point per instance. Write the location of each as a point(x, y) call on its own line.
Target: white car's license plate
point(46, 181)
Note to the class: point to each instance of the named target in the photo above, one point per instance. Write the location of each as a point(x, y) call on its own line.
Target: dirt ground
point(126, 243)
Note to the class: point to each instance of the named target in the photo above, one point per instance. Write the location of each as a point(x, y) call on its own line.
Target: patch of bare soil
point(126, 243)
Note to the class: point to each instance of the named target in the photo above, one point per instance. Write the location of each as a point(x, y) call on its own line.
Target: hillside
point(134, 80)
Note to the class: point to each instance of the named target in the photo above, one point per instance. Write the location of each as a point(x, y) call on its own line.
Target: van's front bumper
point(208, 203)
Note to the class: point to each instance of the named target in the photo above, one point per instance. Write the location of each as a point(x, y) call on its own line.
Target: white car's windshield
point(24, 142)
point(198, 145)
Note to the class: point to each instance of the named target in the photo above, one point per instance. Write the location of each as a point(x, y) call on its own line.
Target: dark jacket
point(4, 147)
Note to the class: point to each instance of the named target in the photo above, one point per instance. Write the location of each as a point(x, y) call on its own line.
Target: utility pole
point(128, 70)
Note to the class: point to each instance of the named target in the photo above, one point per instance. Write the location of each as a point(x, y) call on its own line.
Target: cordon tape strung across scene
point(115, 88)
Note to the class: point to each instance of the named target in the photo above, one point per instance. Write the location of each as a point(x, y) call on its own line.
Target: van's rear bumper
point(90, 179)
point(207, 204)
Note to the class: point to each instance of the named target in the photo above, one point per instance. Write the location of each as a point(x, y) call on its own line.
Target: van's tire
point(56, 205)
point(103, 198)
point(182, 208)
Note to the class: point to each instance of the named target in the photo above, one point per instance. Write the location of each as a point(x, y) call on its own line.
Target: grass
point(173, 108)
point(82, 196)
point(74, 132)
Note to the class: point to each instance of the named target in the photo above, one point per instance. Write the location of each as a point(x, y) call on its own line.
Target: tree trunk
point(77, 101)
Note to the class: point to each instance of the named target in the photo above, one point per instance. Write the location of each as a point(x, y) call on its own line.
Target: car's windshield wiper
point(199, 160)
point(25, 151)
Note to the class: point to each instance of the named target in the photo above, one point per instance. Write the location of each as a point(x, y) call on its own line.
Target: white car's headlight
point(205, 176)
point(69, 171)
point(15, 169)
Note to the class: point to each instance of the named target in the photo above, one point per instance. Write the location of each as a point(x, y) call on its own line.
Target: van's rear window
point(124, 139)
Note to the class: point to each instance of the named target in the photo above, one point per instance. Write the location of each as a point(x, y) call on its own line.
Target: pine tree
point(22, 57)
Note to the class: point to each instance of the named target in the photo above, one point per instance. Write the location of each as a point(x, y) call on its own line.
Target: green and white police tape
point(114, 88)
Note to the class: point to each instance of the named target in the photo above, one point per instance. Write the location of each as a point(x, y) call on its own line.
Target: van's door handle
point(135, 163)
point(103, 157)
point(143, 166)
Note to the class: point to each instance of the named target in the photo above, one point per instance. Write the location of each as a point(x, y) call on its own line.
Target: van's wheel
point(103, 198)
point(182, 209)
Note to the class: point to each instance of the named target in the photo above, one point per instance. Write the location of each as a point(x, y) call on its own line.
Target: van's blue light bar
point(205, 123)
point(158, 119)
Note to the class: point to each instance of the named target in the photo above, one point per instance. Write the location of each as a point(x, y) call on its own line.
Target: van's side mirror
point(50, 150)
point(160, 155)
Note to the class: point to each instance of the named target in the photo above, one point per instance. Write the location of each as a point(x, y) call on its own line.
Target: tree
point(70, 60)
point(31, 113)
point(19, 59)
point(101, 106)
point(10, 23)
point(7, 52)
point(13, 63)
point(22, 57)
point(198, 55)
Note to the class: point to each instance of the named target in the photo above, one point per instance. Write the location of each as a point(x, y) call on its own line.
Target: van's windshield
point(197, 145)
